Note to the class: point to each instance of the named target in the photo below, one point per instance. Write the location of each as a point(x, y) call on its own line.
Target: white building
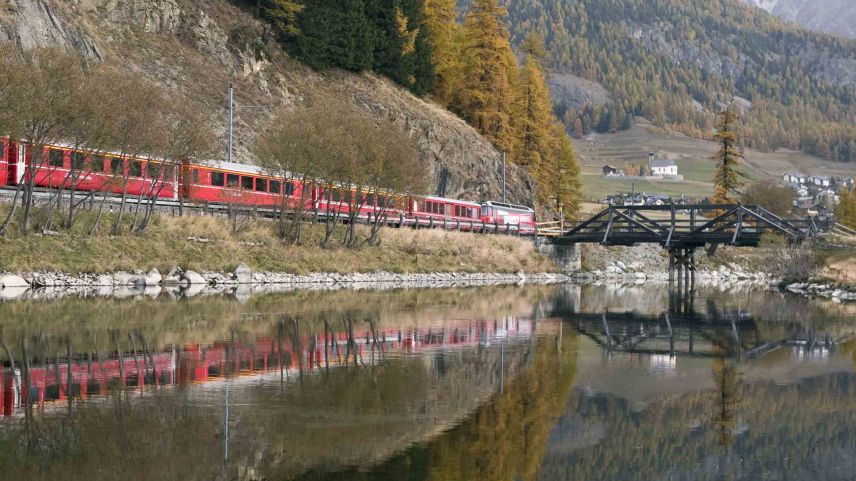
point(663, 168)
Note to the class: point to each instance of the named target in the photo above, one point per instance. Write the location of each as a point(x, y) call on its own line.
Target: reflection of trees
point(729, 386)
point(790, 429)
point(505, 439)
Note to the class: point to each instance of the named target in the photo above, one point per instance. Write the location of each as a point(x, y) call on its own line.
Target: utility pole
point(503, 177)
point(231, 121)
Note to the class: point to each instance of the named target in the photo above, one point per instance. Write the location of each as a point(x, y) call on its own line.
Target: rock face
point(833, 16)
point(198, 48)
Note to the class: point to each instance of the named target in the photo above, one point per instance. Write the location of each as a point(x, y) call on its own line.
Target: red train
point(221, 183)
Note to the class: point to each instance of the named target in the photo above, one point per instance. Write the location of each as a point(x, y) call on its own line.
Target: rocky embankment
point(827, 290)
point(650, 263)
point(242, 282)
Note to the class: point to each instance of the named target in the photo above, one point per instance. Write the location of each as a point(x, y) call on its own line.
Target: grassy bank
point(207, 243)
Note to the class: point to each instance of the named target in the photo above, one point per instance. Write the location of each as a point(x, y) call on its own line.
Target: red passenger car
point(228, 182)
point(441, 211)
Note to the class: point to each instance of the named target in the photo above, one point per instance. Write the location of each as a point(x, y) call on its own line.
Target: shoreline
point(242, 283)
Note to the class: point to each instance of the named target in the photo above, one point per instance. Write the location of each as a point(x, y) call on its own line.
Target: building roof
point(661, 163)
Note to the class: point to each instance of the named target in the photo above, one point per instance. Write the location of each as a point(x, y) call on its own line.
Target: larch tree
point(486, 98)
point(402, 51)
point(444, 38)
point(727, 180)
point(534, 112)
point(846, 209)
point(558, 176)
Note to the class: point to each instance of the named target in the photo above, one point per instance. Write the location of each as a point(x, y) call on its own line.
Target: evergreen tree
point(534, 112)
point(444, 37)
point(486, 97)
point(335, 33)
point(727, 179)
point(402, 52)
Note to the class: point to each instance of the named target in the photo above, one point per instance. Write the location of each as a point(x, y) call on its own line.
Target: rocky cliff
point(833, 16)
point(197, 48)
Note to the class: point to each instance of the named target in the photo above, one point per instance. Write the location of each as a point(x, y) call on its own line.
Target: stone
point(243, 274)
point(11, 280)
point(104, 280)
point(193, 278)
point(153, 278)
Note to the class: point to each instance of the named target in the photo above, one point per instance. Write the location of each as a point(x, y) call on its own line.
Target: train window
point(195, 176)
point(56, 158)
point(247, 183)
point(442, 209)
point(232, 180)
point(96, 164)
point(485, 211)
point(116, 166)
point(218, 179)
point(261, 185)
point(370, 200)
point(78, 161)
point(153, 170)
point(135, 168)
point(289, 188)
point(274, 187)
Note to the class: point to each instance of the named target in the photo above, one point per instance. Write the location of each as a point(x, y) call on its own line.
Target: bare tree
point(44, 103)
point(304, 146)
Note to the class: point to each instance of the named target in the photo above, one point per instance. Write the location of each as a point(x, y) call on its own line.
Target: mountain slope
point(833, 16)
point(676, 62)
point(197, 48)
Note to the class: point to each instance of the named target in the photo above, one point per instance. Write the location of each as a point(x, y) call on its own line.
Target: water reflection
point(537, 383)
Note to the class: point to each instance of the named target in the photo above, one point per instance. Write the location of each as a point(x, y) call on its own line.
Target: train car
point(338, 200)
point(427, 211)
point(61, 166)
point(503, 215)
point(232, 183)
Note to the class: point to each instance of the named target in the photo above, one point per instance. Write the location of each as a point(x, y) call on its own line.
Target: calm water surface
point(509, 383)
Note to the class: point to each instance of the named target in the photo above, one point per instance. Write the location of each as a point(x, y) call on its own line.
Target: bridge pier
point(566, 256)
point(682, 262)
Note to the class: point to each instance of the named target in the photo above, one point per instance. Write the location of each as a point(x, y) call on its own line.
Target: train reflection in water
point(87, 374)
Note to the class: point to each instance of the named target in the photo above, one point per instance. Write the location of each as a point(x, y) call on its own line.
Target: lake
point(494, 383)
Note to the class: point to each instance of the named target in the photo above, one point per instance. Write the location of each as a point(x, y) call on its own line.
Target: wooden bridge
point(681, 229)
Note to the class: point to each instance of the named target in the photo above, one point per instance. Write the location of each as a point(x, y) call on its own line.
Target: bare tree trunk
point(12, 209)
point(117, 224)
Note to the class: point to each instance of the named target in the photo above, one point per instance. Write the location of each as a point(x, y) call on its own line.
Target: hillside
point(197, 48)
point(833, 16)
point(630, 147)
point(677, 62)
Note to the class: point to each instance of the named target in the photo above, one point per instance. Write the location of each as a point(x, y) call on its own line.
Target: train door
point(4, 162)
point(15, 155)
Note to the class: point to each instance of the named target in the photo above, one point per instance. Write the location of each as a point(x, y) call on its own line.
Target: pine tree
point(486, 98)
point(444, 37)
point(335, 33)
point(534, 112)
point(402, 52)
point(727, 179)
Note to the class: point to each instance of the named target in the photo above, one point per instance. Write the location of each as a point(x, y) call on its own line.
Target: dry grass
point(167, 244)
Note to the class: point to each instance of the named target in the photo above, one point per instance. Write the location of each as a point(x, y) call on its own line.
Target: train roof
point(445, 199)
point(509, 206)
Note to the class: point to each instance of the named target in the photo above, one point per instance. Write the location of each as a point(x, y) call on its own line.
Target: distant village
point(814, 193)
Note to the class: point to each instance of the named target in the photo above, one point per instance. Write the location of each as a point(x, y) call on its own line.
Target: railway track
point(91, 201)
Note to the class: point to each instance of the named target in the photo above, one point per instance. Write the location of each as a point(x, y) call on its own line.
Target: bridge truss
point(682, 229)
